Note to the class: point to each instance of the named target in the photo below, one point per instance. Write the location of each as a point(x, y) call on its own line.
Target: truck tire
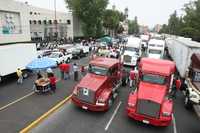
point(187, 102)
point(110, 102)
point(1, 79)
point(68, 60)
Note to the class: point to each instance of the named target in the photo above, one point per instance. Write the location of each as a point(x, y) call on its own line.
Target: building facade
point(21, 22)
point(48, 24)
point(14, 22)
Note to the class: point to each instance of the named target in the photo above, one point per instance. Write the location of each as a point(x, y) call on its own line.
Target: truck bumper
point(87, 106)
point(130, 64)
point(148, 120)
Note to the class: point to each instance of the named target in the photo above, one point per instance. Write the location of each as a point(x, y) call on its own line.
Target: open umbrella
point(41, 63)
point(106, 39)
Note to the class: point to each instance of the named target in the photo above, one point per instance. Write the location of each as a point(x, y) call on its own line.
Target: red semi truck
point(150, 103)
point(97, 90)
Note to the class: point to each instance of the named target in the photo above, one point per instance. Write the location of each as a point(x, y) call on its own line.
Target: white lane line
point(112, 117)
point(174, 123)
point(18, 100)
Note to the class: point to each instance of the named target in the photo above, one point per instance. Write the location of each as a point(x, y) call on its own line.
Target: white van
point(132, 51)
point(156, 49)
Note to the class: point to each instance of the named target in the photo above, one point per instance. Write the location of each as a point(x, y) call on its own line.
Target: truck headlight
point(132, 105)
point(100, 102)
point(167, 114)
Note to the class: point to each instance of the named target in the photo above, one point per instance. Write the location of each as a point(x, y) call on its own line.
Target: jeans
point(20, 79)
point(66, 75)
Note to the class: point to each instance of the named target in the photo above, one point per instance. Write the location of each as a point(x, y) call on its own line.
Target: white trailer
point(15, 56)
point(181, 50)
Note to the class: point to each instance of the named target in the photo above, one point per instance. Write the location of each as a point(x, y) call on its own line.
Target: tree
point(133, 27)
point(111, 20)
point(90, 13)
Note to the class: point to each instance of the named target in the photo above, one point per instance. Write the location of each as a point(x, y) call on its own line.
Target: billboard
point(10, 23)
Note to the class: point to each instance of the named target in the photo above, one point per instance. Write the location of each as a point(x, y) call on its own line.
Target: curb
point(45, 115)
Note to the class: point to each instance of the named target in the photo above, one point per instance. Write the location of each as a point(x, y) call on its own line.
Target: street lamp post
point(56, 26)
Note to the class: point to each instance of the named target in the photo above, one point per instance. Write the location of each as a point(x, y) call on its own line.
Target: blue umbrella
point(41, 63)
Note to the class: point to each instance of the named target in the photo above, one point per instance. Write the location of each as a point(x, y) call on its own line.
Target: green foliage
point(90, 13)
point(188, 25)
point(133, 27)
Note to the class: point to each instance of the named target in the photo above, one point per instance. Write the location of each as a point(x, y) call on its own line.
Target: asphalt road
point(71, 119)
point(21, 113)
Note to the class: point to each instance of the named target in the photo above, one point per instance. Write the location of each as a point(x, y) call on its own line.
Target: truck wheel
point(110, 102)
point(68, 60)
point(187, 102)
point(1, 79)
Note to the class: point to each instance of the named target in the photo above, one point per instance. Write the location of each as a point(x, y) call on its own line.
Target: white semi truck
point(132, 51)
point(14, 56)
point(186, 54)
point(156, 49)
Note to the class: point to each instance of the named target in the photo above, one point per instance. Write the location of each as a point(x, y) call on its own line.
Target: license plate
point(145, 121)
point(84, 107)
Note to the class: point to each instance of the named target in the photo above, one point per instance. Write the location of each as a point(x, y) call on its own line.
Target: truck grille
point(86, 95)
point(148, 108)
point(127, 58)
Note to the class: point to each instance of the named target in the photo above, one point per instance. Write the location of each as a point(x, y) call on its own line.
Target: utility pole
point(56, 26)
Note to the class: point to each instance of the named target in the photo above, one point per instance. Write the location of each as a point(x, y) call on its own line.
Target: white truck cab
point(156, 49)
point(60, 57)
point(132, 51)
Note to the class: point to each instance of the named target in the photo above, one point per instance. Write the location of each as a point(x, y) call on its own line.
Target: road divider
point(45, 115)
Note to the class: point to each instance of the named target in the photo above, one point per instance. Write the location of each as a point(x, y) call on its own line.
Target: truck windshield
point(98, 70)
point(196, 76)
point(132, 49)
point(153, 79)
point(54, 55)
point(151, 51)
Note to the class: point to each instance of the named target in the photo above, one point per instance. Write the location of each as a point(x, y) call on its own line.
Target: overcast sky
point(149, 12)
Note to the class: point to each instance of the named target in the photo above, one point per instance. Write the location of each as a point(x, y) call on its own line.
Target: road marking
point(18, 100)
point(174, 123)
point(45, 115)
point(112, 117)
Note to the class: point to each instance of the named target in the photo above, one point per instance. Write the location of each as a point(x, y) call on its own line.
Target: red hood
point(92, 81)
point(152, 92)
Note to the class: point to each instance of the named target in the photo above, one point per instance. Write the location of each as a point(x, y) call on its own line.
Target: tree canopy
point(90, 13)
point(187, 25)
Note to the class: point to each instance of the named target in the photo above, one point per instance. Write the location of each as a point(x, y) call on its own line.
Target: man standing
point(66, 69)
point(20, 76)
point(61, 67)
point(75, 69)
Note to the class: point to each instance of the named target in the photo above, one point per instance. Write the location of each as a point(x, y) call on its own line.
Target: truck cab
point(150, 102)
point(192, 82)
point(156, 49)
point(97, 90)
point(132, 51)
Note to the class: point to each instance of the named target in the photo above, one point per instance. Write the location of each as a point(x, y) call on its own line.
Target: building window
point(68, 21)
point(39, 22)
point(31, 13)
point(38, 13)
point(30, 21)
point(45, 22)
point(55, 22)
point(50, 22)
point(34, 21)
point(35, 13)
point(60, 21)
